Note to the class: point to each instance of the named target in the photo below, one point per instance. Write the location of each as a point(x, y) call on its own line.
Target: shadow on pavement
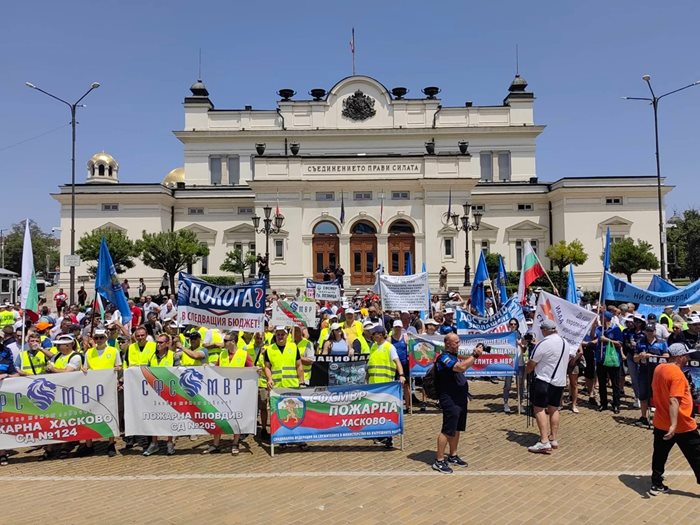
point(425, 456)
point(524, 439)
point(638, 484)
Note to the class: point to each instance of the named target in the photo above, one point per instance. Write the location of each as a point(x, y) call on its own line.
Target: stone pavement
point(599, 473)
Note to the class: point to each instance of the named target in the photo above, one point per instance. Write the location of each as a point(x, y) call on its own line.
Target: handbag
point(611, 358)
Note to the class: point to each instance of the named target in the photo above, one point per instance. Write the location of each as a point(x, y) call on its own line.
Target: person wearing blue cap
point(608, 358)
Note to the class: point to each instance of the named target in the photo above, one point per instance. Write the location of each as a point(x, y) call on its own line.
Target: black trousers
point(604, 373)
point(688, 442)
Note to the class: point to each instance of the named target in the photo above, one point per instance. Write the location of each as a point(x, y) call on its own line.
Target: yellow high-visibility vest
point(380, 367)
point(38, 361)
point(283, 365)
point(137, 357)
point(237, 360)
point(107, 360)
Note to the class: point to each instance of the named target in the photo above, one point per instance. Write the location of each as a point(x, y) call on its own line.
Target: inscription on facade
point(384, 167)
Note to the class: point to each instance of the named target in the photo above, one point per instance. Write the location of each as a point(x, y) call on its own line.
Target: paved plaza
point(600, 473)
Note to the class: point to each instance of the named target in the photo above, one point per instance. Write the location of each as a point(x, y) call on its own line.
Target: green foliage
point(43, 244)
point(221, 280)
point(628, 258)
point(238, 262)
point(684, 245)
point(171, 252)
point(562, 255)
point(492, 262)
point(121, 248)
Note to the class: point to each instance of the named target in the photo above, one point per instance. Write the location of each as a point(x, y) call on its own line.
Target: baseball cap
point(280, 328)
point(100, 331)
point(349, 311)
point(42, 325)
point(678, 349)
point(608, 315)
point(397, 323)
point(449, 311)
point(694, 319)
point(367, 324)
point(193, 334)
point(668, 306)
point(18, 325)
point(451, 295)
point(335, 326)
point(548, 324)
point(651, 317)
point(650, 328)
point(432, 321)
point(684, 306)
point(333, 316)
point(378, 329)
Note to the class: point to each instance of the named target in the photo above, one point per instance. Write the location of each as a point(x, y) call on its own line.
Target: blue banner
point(616, 289)
point(657, 284)
point(336, 412)
point(503, 360)
point(239, 307)
point(498, 322)
point(107, 283)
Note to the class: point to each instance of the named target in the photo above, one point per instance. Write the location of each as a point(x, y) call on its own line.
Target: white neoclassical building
point(364, 175)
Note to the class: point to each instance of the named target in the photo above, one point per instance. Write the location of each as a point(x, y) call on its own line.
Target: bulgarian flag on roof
point(532, 270)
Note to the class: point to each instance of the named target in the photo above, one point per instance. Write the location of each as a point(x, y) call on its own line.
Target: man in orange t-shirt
point(673, 421)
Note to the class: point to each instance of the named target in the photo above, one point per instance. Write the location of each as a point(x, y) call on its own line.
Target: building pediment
point(240, 233)
point(615, 221)
point(202, 232)
point(525, 226)
point(110, 226)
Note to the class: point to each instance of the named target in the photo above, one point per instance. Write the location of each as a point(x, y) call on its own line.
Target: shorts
point(263, 394)
point(454, 416)
point(406, 370)
point(643, 383)
point(545, 394)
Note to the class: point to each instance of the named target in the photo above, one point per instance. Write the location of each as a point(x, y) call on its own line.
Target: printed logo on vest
point(290, 412)
point(41, 392)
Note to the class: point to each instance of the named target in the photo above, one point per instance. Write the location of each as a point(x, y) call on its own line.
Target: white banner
point(183, 401)
point(573, 322)
point(58, 408)
point(404, 292)
point(294, 313)
point(323, 290)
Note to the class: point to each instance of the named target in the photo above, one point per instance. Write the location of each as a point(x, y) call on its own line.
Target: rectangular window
point(533, 243)
point(245, 210)
point(504, 166)
point(486, 160)
point(5, 286)
point(238, 246)
point(325, 196)
point(524, 207)
point(357, 262)
point(279, 248)
point(195, 211)
point(234, 170)
point(205, 265)
point(616, 238)
point(519, 254)
point(370, 262)
point(215, 170)
point(110, 207)
point(252, 270)
point(485, 247)
point(478, 207)
point(395, 262)
point(400, 195)
point(613, 201)
point(449, 247)
point(319, 262)
point(362, 196)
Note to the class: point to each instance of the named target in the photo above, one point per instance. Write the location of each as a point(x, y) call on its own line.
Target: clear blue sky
point(578, 57)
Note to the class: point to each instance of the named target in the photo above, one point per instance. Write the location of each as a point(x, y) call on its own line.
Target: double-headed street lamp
point(73, 107)
point(655, 105)
point(268, 229)
point(454, 220)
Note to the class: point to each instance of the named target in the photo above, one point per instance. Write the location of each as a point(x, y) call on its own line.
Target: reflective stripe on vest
point(167, 360)
point(107, 360)
point(39, 362)
point(237, 360)
point(283, 365)
point(137, 357)
point(380, 367)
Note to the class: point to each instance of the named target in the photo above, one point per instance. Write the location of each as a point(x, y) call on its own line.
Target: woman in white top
point(336, 343)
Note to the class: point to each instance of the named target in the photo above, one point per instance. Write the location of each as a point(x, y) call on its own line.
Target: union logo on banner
point(42, 393)
point(291, 411)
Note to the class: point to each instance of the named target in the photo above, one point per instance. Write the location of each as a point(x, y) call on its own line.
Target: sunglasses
point(100, 337)
point(228, 340)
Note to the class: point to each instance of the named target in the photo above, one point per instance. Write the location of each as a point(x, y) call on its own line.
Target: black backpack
point(430, 383)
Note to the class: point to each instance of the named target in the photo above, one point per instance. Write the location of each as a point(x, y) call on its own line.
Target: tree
point(562, 255)
point(43, 244)
point(492, 263)
point(237, 262)
point(684, 245)
point(628, 258)
point(171, 252)
point(121, 248)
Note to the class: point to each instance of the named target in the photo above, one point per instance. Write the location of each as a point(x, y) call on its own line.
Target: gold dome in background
point(175, 176)
point(103, 157)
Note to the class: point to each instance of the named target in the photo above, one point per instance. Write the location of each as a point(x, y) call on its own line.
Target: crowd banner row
point(337, 370)
point(404, 292)
point(336, 412)
point(238, 307)
point(184, 401)
point(472, 324)
point(573, 321)
point(294, 313)
point(323, 290)
point(39, 410)
point(616, 289)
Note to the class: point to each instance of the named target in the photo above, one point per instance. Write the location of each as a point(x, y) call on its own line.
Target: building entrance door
point(363, 253)
point(325, 248)
point(402, 246)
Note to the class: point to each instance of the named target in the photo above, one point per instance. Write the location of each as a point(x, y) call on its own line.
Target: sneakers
point(541, 448)
point(642, 422)
point(387, 442)
point(658, 488)
point(506, 409)
point(152, 449)
point(111, 450)
point(456, 460)
point(170, 450)
point(616, 410)
point(211, 449)
point(84, 451)
point(235, 450)
point(442, 467)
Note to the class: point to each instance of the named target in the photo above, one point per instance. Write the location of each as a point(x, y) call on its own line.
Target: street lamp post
point(466, 226)
point(270, 226)
point(655, 106)
point(73, 107)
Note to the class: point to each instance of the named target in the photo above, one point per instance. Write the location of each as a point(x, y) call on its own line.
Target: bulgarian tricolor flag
point(30, 295)
point(532, 270)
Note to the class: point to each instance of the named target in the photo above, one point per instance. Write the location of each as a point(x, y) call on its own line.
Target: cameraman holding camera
point(453, 392)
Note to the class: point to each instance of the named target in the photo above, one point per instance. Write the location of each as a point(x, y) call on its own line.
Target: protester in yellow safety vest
point(163, 356)
point(32, 360)
point(7, 315)
point(684, 312)
point(196, 354)
point(351, 327)
point(245, 341)
point(361, 345)
point(326, 330)
point(306, 350)
point(259, 348)
point(665, 317)
point(140, 352)
point(213, 341)
point(234, 357)
point(100, 357)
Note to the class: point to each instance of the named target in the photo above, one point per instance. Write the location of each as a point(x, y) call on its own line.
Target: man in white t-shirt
point(548, 360)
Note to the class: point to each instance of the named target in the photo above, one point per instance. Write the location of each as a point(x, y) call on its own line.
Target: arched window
point(101, 169)
point(325, 228)
point(363, 227)
point(110, 171)
point(401, 226)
